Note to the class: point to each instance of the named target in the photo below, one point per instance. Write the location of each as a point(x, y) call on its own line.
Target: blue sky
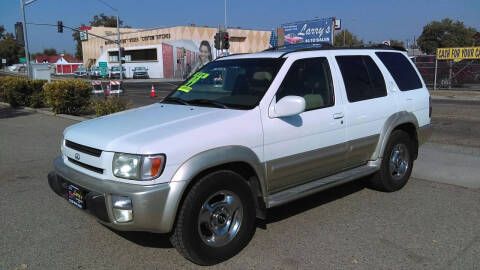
point(370, 20)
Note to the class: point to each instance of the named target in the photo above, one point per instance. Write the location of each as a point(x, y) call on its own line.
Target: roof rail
point(328, 46)
point(301, 46)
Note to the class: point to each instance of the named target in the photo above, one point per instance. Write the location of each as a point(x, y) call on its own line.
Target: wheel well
point(242, 168)
point(410, 129)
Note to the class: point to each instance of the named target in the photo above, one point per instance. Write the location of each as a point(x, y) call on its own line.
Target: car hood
point(132, 131)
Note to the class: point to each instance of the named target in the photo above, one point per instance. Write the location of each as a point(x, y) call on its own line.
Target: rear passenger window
point(363, 80)
point(401, 69)
point(311, 79)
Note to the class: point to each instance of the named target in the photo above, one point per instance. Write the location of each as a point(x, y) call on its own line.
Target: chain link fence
point(461, 75)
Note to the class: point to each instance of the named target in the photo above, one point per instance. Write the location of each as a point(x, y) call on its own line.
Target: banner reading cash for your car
point(458, 53)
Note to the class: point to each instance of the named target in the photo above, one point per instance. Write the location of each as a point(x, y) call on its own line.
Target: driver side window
point(311, 79)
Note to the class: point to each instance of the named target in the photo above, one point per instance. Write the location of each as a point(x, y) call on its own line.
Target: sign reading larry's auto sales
point(458, 53)
point(319, 30)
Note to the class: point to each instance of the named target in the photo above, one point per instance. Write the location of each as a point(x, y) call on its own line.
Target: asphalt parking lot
point(430, 224)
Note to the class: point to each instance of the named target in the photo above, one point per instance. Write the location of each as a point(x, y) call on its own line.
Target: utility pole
point(27, 52)
point(119, 48)
point(118, 38)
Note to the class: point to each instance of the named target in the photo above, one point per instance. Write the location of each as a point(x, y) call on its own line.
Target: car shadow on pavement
point(146, 239)
point(7, 112)
point(312, 201)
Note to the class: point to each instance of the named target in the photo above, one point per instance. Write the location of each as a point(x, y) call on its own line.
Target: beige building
point(172, 52)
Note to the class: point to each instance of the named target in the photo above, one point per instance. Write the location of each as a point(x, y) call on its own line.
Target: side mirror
point(287, 106)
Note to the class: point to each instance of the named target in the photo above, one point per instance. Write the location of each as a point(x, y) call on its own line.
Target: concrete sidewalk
point(449, 164)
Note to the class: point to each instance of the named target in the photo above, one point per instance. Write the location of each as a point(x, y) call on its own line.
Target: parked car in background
point(140, 72)
point(21, 69)
point(95, 72)
point(115, 72)
point(81, 72)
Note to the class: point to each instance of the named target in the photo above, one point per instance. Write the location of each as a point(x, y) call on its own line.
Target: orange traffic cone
point(152, 93)
point(108, 89)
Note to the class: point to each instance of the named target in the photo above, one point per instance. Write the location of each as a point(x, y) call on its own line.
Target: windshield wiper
point(176, 100)
point(208, 102)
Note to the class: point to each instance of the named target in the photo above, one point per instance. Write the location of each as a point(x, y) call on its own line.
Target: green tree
point(50, 51)
point(445, 33)
point(9, 48)
point(2, 29)
point(349, 37)
point(98, 20)
point(397, 43)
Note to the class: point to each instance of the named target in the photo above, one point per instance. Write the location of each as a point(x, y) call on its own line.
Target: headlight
point(138, 167)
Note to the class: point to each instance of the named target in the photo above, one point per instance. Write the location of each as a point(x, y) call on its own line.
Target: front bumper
point(424, 133)
point(154, 206)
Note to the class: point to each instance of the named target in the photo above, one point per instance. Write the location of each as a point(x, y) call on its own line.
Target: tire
point(397, 163)
point(193, 235)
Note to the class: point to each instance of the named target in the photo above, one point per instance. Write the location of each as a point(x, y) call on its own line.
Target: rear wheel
point(397, 163)
point(216, 220)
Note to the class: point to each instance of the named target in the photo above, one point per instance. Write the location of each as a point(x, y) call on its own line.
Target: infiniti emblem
point(77, 156)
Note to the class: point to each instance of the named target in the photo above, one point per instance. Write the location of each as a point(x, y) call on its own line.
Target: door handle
point(337, 115)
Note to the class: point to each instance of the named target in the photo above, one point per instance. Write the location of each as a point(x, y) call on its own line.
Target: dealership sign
point(319, 30)
point(458, 53)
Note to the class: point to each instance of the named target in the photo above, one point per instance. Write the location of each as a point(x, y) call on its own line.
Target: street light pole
point(27, 52)
point(119, 49)
point(118, 38)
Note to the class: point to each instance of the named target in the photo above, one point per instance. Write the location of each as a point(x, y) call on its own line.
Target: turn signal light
point(152, 166)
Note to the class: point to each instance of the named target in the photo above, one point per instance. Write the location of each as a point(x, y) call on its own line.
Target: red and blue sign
point(318, 30)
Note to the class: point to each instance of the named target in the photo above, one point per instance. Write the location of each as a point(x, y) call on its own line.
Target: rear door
point(368, 104)
point(310, 145)
point(411, 93)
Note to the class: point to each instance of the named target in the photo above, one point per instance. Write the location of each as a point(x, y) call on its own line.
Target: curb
point(459, 98)
point(66, 116)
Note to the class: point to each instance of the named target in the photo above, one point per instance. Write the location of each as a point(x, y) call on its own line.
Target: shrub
point(70, 97)
point(22, 91)
point(3, 89)
point(110, 105)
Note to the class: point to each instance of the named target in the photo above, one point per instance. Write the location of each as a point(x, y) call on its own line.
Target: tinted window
point(363, 80)
point(401, 69)
point(311, 79)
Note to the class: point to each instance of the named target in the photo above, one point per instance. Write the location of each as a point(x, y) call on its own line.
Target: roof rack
point(327, 46)
point(301, 46)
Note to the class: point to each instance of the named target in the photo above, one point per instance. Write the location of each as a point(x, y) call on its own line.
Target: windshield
point(139, 69)
point(81, 69)
point(115, 69)
point(236, 83)
point(95, 68)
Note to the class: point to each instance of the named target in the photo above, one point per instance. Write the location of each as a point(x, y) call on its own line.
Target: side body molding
point(393, 121)
point(218, 156)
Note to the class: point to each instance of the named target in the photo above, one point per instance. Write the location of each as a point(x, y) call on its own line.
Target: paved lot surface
point(427, 225)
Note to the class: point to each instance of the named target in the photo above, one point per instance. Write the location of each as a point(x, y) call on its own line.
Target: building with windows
point(173, 52)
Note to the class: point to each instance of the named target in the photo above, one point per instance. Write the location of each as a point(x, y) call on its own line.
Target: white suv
point(244, 134)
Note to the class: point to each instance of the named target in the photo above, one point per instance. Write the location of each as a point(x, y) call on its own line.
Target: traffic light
point(217, 41)
point(226, 44)
point(122, 55)
point(19, 34)
point(60, 27)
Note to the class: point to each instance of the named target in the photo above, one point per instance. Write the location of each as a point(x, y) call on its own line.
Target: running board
point(309, 188)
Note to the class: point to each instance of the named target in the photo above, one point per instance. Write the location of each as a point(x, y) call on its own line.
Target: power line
point(103, 2)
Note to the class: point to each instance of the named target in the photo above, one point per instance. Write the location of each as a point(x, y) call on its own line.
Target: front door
point(310, 145)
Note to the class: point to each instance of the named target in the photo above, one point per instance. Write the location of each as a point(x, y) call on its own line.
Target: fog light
point(122, 208)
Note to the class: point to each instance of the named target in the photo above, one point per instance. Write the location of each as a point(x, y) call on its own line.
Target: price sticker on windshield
point(195, 78)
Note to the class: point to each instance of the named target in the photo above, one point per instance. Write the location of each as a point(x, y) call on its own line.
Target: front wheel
point(397, 163)
point(216, 220)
